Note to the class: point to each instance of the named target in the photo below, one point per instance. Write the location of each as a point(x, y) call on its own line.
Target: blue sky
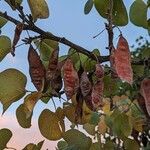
point(66, 19)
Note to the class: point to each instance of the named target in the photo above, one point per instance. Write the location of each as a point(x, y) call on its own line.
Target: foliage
point(111, 99)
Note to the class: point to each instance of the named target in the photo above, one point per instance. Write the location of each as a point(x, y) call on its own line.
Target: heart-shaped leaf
point(12, 86)
point(49, 125)
point(5, 46)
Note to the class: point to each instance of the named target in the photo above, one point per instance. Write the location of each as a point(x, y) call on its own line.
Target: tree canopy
point(108, 96)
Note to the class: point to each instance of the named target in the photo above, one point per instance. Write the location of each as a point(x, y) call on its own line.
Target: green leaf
point(88, 6)
point(46, 47)
point(121, 124)
point(95, 118)
point(39, 9)
point(49, 125)
point(89, 128)
point(12, 87)
point(14, 3)
point(109, 145)
point(3, 21)
point(5, 46)
point(5, 136)
point(62, 145)
point(138, 70)
point(95, 146)
point(102, 7)
point(30, 146)
point(23, 118)
point(120, 16)
point(77, 138)
point(131, 144)
point(39, 145)
point(138, 13)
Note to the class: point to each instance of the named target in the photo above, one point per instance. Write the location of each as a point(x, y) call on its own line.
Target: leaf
point(89, 128)
point(3, 21)
point(120, 15)
point(145, 88)
point(102, 7)
point(122, 60)
point(49, 125)
point(18, 31)
point(30, 101)
point(39, 9)
point(5, 136)
point(14, 3)
point(77, 138)
point(62, 145)
point(5, 46)
point(138, 19)
point(109, 145)
point(95, 118)
point(131, 144)
point(138, 70)
point(71, 79)
point(102, 127)
point(36, 69)
point(88, 6)
point(85, 84)
point(95, 146)
point(12, 86)
point(23, 116)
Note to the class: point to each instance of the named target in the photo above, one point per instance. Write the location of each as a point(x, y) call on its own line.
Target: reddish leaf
point(18, 30)
point(85, 84)
point(71, 79)
point(99, 72)
point(53, 61)
point(145, 91)
point(97, 94)
point(36, 69)
point(122, 61)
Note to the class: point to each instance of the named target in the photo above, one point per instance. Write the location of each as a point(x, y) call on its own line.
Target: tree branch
point(62, 40)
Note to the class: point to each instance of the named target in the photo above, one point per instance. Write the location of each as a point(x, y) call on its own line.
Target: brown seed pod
point(36, 69)
point(53, 61)
point(99, 71)
point(85, 84)
point(71, 79)
point(18, 31)
point(97, 94)
point(145, 91)
point(122, 61)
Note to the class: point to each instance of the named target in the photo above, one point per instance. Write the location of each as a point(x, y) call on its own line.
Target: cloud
point(22, 137)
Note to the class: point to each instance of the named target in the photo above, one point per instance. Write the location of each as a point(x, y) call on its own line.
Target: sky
point(67, 20)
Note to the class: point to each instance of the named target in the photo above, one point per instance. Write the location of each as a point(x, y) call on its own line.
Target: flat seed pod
point(145, 91)
point(53, 61)
point(85, 84)
point(71, 79)
point(122, 61)
point(36, 69)
point(88, 101)
point(99, 72)
point(97, 94)
point(18, 30)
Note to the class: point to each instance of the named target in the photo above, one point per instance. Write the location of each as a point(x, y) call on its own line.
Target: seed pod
point(36, 69)
point(145, 91)
point(88, 101)
point(71, 79)
point(97, 94)
point(122, 61)
point(85, 84)
point(18, 30)
point(53, 61)
point(99, 72)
